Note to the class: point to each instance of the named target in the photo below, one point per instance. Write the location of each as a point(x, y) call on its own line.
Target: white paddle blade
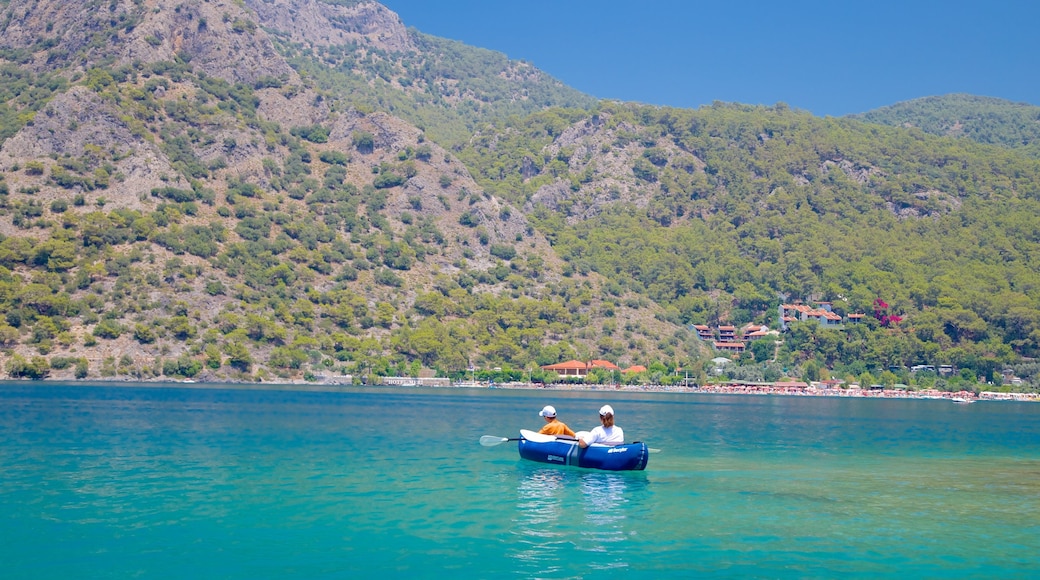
point(536, 437)
point(491, 440)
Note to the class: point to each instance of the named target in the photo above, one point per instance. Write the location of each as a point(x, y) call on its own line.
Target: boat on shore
point(562, 451)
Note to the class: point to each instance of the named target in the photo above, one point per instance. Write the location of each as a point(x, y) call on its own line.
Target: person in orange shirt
point(552, 426)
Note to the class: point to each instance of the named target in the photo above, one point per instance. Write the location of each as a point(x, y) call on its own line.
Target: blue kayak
point(549, 449)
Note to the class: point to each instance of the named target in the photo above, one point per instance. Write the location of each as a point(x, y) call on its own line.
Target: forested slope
point(362, 50)
point(982, 119)
point(165, 214)
point(277, 190)
point(725, 211)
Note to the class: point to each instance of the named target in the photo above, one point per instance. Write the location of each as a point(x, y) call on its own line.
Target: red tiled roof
point(635, 369)
point(569, 365)
point(821, 314)
point(603, 364)
point(807, 310)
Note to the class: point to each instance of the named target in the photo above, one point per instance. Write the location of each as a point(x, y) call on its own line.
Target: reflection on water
point(538, 499)
point(604, 497)
point(561, 511)
point(145, 482)
point(539, 524)
point(603, 493)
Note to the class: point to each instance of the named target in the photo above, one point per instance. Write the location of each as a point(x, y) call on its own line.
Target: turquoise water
point(119, 482)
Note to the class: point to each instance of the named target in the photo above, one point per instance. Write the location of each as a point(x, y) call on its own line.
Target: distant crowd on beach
point(788, 387)
point(797, 390)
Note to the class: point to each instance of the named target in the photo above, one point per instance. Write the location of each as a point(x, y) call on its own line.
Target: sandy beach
point(765, 389)
point(753, 389)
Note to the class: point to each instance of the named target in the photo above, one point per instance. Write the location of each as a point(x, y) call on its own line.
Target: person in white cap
point(552, 426)
point(607, 433)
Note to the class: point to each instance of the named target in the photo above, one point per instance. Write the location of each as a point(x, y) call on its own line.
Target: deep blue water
point(166, 482)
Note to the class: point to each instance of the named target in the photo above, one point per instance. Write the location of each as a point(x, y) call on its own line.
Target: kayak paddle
point(492, 440)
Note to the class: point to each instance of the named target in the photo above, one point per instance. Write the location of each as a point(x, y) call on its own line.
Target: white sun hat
point(606, 410)
point(548, 411)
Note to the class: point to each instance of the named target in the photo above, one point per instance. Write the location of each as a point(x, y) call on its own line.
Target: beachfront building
point(733, 347)
point(634, 369)
point(603, 364)
point(730, 340)
point(571, 368)
point(753, 329)
point(414, 381)
point(753, 332)
point(577, 368)
point(822, 314)
point(704, 332)
point(727, 333)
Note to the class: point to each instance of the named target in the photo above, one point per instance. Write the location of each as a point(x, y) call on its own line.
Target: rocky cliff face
point(322, 24)
point(179, 194)
point(55, 34)
point(80, 125)
point(219, 37)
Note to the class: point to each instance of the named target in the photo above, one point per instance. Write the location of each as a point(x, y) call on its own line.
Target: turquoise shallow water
point(119, 482)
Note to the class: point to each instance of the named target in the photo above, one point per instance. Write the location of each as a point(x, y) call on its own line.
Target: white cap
point(548, 411)
point(606, 410)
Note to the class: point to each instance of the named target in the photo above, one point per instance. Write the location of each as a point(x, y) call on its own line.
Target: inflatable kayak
point(550, 449)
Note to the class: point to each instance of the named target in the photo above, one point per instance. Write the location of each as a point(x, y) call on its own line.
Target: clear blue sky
point(830, 58)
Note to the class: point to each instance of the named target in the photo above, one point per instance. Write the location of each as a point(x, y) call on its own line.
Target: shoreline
point(735, 389)
point(764, 390)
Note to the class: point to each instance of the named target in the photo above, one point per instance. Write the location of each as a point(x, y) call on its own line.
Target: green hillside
point(287, 190)
point(982, 119)
point(744, 207)
point(172, 217)
point(444, 86)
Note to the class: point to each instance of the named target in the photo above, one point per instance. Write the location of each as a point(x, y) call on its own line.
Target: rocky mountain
point(289, 189)
point(179, 201)
point(324, 24)
point(447, 88)
point(722, 213)
point(54, 35)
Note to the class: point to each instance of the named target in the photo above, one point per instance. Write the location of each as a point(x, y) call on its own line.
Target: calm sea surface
point(121, 482)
